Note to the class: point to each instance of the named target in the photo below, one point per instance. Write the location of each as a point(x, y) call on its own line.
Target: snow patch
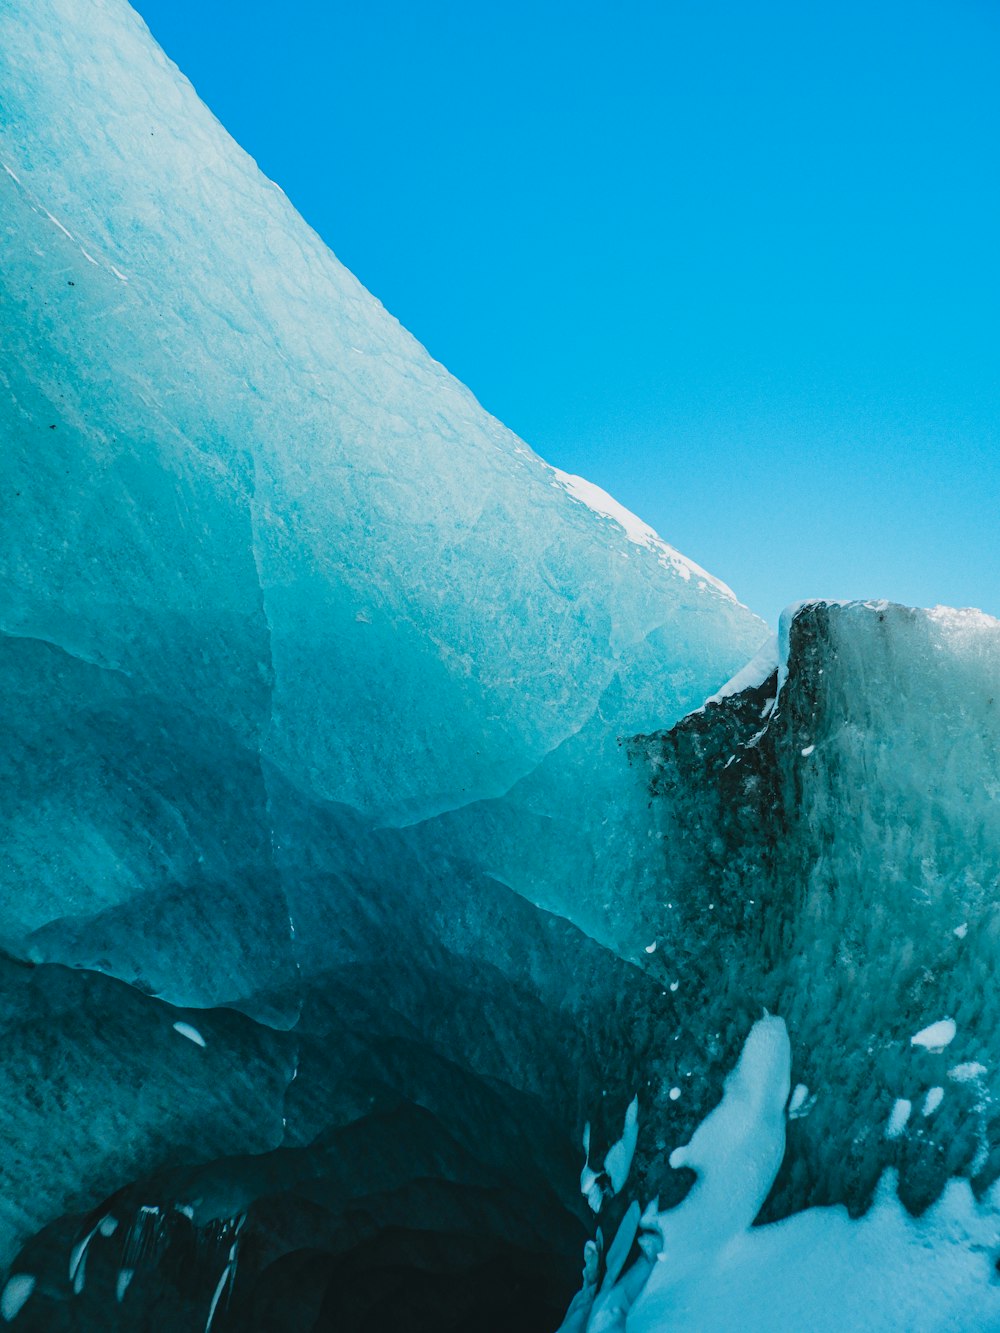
point(638, 532)
point(932, 1101)
point(618, 1161)
point(17, 1291)
point(967, 1073)
point(936, 1036)
point(750, 677)
point(898, 1117)
point(192, 1034)
point(798, 1100)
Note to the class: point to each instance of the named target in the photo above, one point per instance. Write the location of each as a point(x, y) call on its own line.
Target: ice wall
point(315, 681)
point(832, 851)
point(333, 904)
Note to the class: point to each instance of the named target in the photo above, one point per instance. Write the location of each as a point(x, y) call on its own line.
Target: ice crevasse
point(377, 813)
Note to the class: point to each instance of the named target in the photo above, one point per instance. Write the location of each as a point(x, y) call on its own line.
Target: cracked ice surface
point(291, 630)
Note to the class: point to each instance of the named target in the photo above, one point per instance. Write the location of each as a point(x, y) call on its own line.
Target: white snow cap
point(749, 677)
point(638, 532)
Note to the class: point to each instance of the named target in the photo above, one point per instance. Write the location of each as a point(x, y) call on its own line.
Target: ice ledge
point(955, 622)
point(638, 532)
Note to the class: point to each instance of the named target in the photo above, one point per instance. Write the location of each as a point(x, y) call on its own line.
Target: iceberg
point(383, 806)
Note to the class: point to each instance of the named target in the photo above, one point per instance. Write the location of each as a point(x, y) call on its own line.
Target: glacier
point(403, 843)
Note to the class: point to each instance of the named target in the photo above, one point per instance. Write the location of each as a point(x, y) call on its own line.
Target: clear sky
point(738, 263)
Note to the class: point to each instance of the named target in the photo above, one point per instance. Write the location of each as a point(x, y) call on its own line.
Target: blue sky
point(737, 263)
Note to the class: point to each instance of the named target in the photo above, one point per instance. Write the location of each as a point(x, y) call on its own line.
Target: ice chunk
point(834, 881)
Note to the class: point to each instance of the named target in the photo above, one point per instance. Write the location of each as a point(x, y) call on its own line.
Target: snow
point(596, 1186)
point(192, 1034)
point(968, 1072)
point(936, 1036)
point(797, 1100)
point(702, 1267)
point(15, 1294)
point(822, 1272)
point(898, 1117)
point(763, 663)
point(618, 1160)
point(934, 1098)
point(638, 532)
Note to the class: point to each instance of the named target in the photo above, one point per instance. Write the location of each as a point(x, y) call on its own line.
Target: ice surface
point(407, 779)
point(316, 679)
point(827, 886)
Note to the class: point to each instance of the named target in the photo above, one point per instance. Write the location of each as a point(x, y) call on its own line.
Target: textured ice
point(316, 679)
point(382, 804)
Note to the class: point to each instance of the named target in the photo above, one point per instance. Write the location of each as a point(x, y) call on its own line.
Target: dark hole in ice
point(406, 1279)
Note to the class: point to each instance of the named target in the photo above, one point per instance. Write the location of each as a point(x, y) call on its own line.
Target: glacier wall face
point(318, 828)
point(334, 897)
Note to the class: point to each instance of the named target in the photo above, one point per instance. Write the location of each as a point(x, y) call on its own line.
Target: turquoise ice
point(382, 805)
